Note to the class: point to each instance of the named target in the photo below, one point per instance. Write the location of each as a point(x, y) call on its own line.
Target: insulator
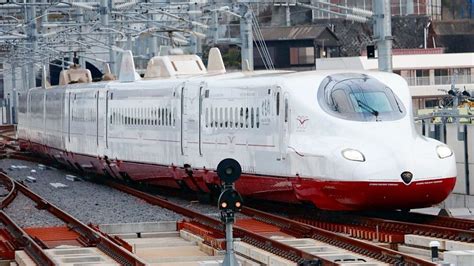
point(356, 18)
point(362, 12)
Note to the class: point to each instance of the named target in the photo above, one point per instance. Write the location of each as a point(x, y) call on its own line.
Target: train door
point(108, 119)
point(282, 120)
point(285, 131)
point(102, 120)
point(202, 91)
point(68, 115)
point(28, 115)
point(43, 133)
point(190, 120)
point(182, 118)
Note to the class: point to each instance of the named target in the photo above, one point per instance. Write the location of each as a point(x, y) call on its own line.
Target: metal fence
point(438, 80)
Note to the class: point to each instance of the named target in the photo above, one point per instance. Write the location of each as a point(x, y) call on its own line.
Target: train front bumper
point(366, 195)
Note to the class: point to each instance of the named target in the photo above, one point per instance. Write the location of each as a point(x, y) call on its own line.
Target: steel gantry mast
point(37, 32)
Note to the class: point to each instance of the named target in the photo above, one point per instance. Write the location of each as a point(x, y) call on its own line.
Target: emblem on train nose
point(407, 177)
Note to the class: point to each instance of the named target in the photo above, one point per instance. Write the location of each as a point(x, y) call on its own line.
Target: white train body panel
point(276, 124)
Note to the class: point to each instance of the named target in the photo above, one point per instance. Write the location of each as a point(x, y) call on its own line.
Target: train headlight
point(443, 151)
point(353, 155)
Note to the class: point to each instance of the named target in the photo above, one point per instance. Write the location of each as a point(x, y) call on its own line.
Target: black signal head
point(229, 170)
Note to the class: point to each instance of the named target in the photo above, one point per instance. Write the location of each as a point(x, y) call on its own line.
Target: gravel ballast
point(87, 201)
point(22, 210)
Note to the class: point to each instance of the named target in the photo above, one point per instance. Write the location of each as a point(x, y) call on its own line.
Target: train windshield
point(359, 97)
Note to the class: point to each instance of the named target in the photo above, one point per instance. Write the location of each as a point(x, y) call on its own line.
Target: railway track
point(36, 249)
point(288, 226)
point(335, 229)
point(392, 227)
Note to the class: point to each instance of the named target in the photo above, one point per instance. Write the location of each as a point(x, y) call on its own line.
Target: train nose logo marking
point(407, 177)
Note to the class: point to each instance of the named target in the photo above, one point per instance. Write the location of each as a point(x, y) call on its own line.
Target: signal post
point(229, 203)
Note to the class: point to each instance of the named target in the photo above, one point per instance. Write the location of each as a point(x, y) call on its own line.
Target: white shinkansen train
point(338, 140)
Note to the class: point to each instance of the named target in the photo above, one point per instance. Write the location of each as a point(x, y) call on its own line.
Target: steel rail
point(420, 218)
point(373, 251)
point(89, 235)
point(17, 234)
point(11, 187)
point(34, 251)
point(247, 236)
point(443, 228)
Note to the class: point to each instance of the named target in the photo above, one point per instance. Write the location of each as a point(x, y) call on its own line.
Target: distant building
point(297, 47)
point(432, 8)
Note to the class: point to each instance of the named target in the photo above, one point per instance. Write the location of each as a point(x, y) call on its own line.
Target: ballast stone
point(58, 185)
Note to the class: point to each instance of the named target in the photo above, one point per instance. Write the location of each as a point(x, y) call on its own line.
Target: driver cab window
point(359, 97)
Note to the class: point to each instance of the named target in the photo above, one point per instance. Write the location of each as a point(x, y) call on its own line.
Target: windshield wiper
point(395, 98)
point(368, 108)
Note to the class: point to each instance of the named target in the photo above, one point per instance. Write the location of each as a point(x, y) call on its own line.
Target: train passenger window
point(231, 117)
point(206, 118)
point(145, 116)
point(226, 117)
point(135, 116)
point(359, 97)
point(216, 118)
point(174, 117)
point(166, 116)
point(129, 116)
point(241, 117)
point(211, 117)
point(251, 117)
point(286, 110)
point(257, 114)
point(162, 116)
point(140, 116)
point(236, 113)
point(159, 116)
point(278, 103)
point(246, 117)
point(169, 117)
point(221, 118)
point(148, 116)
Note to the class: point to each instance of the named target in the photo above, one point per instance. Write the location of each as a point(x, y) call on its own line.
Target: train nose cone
point(407, 177)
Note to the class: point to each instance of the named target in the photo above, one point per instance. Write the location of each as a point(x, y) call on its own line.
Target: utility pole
point(32, 39)
point(246, 37)
point(14, 92)
point(153, 41)
point(82, 52)
point(105, 7)
point(383, 33)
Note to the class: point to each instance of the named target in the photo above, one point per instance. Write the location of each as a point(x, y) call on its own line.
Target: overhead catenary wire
point(261, 44)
